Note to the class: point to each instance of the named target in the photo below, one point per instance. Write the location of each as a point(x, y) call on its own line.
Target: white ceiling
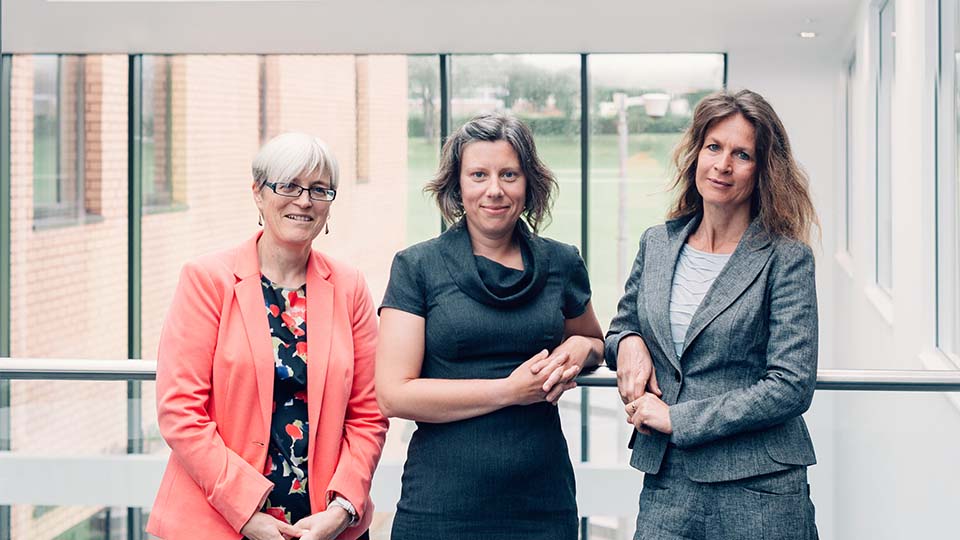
point(755, 27)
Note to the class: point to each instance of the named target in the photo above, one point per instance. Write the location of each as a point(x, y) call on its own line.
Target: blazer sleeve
point(626, 322)
point(184, 372)
point(786, 388)
point(365, 427)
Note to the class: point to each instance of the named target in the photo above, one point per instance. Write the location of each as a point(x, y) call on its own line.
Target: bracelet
point(346, 505)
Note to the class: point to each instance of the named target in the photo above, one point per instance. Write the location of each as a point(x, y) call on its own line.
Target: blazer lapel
point(744, 265)
point(249, 294)
point(319, 337)
point(659, 302)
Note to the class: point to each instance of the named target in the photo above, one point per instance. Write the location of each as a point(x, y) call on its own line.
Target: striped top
point(695, 272)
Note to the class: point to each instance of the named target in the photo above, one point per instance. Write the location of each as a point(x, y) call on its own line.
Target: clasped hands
point(325, 525)
point(639, 391)
point(547, 375)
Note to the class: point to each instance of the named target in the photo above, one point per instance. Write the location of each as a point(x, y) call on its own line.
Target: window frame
point(883, 177)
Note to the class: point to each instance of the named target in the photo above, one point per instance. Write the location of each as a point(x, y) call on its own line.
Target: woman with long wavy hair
point(715, 337)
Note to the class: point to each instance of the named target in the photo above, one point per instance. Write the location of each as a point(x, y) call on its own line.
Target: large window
point(948, 186)
point(68, 283)
point(639, 106)
point(848, 157)
point(544, 91)
point(156, 133)
point(58, 138)
point(203, 118)
point(885, 76)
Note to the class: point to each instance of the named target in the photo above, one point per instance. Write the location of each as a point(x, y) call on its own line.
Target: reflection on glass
point(640, 104)
point(543, 90)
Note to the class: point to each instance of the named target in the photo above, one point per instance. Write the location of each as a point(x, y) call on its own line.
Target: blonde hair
point(781, 194)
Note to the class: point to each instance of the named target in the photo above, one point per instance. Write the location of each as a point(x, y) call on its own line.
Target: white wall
point(895, 463)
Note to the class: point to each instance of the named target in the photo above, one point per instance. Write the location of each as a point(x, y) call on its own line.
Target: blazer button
point(676, 376)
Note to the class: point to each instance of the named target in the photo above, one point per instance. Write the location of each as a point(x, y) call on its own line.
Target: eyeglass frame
point(332, 193)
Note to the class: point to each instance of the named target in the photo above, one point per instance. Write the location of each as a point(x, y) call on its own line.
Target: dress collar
point(457, 254)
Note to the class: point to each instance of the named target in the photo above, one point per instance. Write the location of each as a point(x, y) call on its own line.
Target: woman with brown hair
point(482, 329)
point(715, 337)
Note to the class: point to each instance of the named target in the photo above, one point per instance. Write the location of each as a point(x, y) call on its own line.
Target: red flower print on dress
point(274, 310)
point(295, 430)
point(278, 513)
point(301, 395)
point(298, 487)
point(288, 320)
point(302, 350)
point(295, 300)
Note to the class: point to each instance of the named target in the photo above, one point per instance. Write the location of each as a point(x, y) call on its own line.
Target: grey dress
point(506, 474)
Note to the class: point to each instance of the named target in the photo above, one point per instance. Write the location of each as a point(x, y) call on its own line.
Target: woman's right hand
point(266, 527)
point(525, 387)
point(635, 373)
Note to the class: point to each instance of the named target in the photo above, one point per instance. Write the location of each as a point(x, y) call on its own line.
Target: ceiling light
point(808, 35)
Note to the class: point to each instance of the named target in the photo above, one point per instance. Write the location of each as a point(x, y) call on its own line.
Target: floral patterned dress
point(287, 457)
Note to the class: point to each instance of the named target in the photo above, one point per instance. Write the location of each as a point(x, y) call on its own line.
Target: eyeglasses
point(316, 193)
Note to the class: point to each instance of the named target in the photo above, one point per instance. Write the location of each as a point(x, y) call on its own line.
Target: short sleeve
point(405, 289)
point(576, 293)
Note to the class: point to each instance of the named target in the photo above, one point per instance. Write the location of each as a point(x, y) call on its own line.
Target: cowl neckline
point(457, 255)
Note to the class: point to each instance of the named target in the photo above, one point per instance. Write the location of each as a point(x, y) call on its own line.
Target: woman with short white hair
point(253, 452)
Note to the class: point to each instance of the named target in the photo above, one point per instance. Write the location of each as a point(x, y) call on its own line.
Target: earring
point(260, 220)
point(326, 228)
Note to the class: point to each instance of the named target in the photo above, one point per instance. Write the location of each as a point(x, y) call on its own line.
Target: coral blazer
point(215, 375)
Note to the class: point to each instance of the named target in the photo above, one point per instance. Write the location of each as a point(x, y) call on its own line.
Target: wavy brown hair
point(541, 182)
point(781, 193)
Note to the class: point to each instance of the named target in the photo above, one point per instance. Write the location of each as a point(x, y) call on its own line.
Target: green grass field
point(648, 176)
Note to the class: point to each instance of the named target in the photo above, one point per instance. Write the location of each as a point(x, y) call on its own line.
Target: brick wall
point(68, 287)
point(69, 291)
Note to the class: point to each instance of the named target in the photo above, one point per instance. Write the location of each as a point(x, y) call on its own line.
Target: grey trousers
point(773, 506)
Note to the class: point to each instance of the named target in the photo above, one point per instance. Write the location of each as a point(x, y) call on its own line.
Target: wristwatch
point(345, 504)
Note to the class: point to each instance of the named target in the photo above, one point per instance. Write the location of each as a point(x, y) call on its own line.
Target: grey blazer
point(749, 362)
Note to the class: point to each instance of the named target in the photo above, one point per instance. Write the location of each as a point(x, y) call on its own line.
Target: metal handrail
point(878, 380)
point(77, 370)
point(885, 380)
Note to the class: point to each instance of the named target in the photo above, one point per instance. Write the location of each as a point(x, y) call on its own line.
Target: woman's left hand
point(563, 365)
point(325, 525)
point(649, 412)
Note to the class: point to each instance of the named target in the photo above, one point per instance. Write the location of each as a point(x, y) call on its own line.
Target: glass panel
point(543, 90)
point(423, 145)
point(69, 522)
point(156, 131)
point(46, 97)
point(41, 426)
point(640, 105)
point(57, 126)
point(886, 74)
point(223, 104)
point(948, 254)
point(68, 285)
point(848, 151)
